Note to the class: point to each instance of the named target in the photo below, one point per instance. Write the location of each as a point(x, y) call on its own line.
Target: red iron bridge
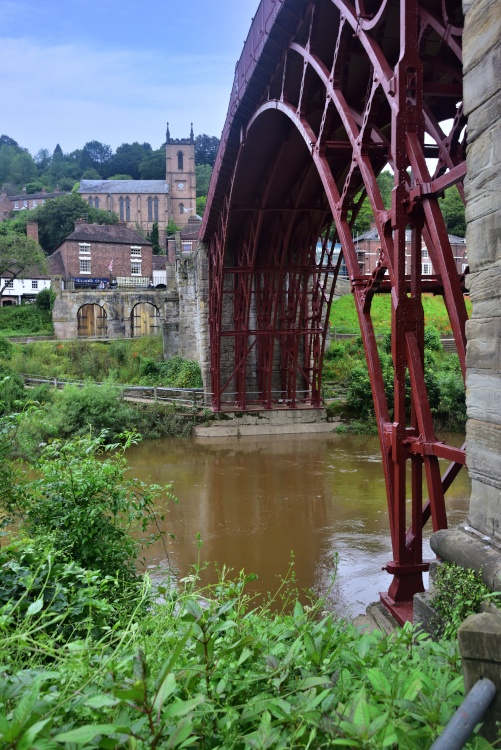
point(327, 94)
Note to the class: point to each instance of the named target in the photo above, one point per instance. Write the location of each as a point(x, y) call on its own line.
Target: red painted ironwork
point(327, 94)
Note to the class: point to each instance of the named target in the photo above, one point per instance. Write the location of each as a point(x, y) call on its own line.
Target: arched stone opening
point(145, 320)
point(92, 321)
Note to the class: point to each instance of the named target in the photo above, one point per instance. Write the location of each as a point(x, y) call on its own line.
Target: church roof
point(123, 186)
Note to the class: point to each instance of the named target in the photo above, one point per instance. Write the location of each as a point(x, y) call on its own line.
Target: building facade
point(103, 252)
point(368, 246)
point(141, 203)
point(24, 201)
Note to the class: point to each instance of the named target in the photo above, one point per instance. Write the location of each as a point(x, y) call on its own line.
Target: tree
point(203, 173)
point(6, 141)
point(154, 238)
point(206, 147)
point(120, 177)
point(17, 254)
point(56, 219)
point(42, 159)
point(453, 212)
point(128, 157)
point(98, 156)
point(201, 203)
point(152, 167)
point(90, 174)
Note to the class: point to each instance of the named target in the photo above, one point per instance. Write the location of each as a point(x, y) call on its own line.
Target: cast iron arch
point(360, 84)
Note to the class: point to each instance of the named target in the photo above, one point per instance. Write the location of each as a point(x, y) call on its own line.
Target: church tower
point(180, 177)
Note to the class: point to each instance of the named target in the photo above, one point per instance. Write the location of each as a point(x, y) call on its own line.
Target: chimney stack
point(32, 230)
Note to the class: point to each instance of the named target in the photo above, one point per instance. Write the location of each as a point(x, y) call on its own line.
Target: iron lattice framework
point(327, 94)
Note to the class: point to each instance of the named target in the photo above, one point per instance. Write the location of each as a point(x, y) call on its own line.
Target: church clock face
point(180, 185)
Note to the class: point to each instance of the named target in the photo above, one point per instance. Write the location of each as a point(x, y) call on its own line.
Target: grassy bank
point(132, 361)
point(345, 374)
point(25, 320)
point(343, 316)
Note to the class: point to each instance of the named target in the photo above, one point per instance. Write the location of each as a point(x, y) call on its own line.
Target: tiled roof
point(123, 186)
point(56, 265)
point(159, 262)
point(116, 233)
point(36, 196)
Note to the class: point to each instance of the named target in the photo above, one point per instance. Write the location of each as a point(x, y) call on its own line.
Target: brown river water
point(254, 501)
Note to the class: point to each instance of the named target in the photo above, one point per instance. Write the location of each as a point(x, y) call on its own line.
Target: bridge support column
point(478, 545)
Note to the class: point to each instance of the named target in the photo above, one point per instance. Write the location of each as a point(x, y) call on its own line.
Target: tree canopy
point(56, 219)
point(18, 253)
point(206, 147)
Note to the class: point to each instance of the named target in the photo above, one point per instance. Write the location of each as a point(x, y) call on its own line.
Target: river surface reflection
point(256, 500)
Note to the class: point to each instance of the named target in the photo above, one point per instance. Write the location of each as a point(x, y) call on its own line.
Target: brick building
point(368, 246)
point(142, 202)
point(103, 251)
point(24, 201)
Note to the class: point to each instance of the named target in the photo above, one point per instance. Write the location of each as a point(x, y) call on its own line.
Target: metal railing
point(106, 284)
point(190, 397)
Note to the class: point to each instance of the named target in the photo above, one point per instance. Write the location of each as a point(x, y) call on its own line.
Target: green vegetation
point(343, 315)
point(458, 593)
point(345, 371)
point(74, 410)
point(25, 320)
point(93, 657)
point(56, 219)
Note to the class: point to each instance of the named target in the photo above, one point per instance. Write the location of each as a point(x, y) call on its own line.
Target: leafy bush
point(432, 339)
point(458, 593)
point(86, 506)
point(174, 373)
point(45, 299)
point(39, 587)
point(209, 668)
point(25, 320)
point(11, 390)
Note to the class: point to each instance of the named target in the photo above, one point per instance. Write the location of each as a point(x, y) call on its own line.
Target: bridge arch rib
point(328, 94)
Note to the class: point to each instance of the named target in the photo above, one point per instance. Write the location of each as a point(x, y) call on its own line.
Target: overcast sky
point(117, 71)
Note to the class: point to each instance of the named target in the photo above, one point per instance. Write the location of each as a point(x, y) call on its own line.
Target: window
point(43, 201)
point(155, 208)
point(150, 209)
point(9, 283)
point(426, 269)
point(135, 250)
point(424, 252)
point(135, 268)
point(464, 266)
point(181, 208)
point(127, 209)
point(35, 203)
point(16, 205)
point(84, 248)
point(89, 201)
point(25, 204)
point(34, 284)
point(96, 202)
point(121, 208)
point(180, 160)
point(186, 247)
point(85, 265)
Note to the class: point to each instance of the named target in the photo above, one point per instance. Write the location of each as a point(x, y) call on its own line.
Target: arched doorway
point(145, 320)
point(92, 321)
